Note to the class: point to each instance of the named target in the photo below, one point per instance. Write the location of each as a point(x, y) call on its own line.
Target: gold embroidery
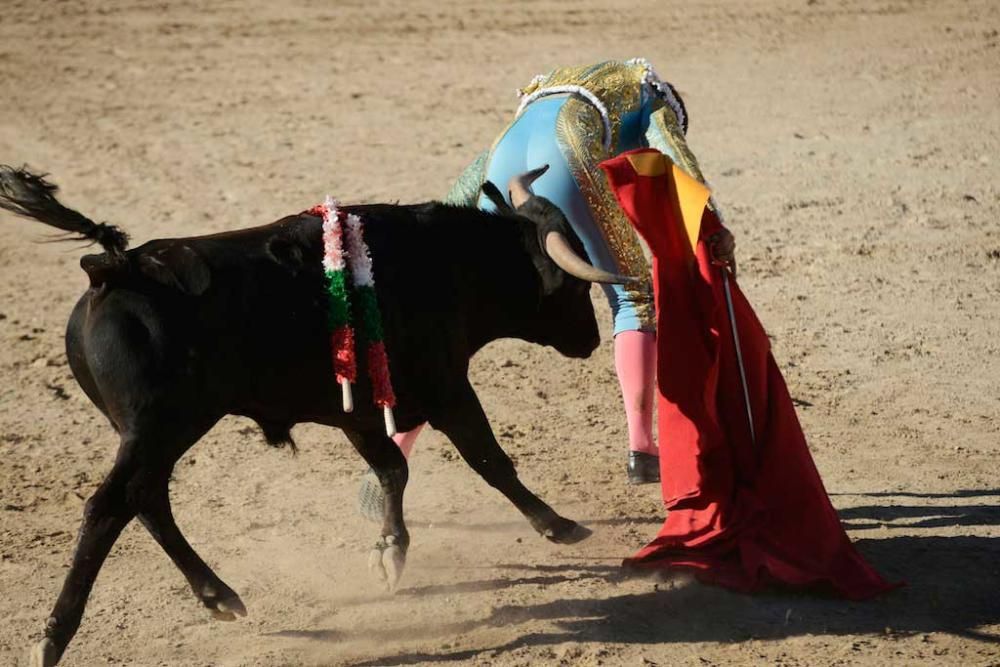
point(578, 131)
point(675, 144)
point(618, 86)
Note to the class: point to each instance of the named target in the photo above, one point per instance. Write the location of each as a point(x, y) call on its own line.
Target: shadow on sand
point(953, 585)
point(866, 517)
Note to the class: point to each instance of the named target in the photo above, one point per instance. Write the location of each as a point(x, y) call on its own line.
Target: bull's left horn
point(519, 186)
point(560, 251)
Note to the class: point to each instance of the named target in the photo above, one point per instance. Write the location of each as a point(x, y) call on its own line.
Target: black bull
point(177, 333)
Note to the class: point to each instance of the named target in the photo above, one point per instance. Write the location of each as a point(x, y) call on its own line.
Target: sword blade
point(739, 353)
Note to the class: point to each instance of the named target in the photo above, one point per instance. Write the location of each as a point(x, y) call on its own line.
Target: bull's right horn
point(519, 186)
point(562, 253)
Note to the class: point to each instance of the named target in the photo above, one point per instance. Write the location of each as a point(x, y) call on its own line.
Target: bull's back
point(250, 335)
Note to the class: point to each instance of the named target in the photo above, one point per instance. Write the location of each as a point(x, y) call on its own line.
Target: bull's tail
point(30, 195)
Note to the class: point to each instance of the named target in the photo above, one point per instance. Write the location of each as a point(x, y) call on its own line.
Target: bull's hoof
point(386, 561)
point(224, 605)
point(565, 531)
point(44, 654)
point(375, 565)
point(394, 560)
point(229, 610)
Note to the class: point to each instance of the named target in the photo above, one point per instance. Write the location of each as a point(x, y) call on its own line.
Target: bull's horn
point(519, 187)
point(559, 249)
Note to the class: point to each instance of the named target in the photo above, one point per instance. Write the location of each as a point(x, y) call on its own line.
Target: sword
point(739, 352)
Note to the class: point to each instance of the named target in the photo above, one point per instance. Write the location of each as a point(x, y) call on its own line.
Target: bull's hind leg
point(133, 487)
point(153, 507)
point(157, 517)
point(105, 514)
point(466, 425)
point(388, 557)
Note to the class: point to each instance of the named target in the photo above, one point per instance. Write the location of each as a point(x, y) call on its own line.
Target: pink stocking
point(635, 361)
point(405, 441)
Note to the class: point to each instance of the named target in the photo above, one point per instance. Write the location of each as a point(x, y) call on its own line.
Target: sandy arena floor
point(854, 144)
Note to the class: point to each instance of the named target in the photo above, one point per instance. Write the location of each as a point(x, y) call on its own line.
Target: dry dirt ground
point(854, 144)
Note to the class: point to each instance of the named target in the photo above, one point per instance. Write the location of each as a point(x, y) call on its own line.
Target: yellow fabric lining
point(692, 195)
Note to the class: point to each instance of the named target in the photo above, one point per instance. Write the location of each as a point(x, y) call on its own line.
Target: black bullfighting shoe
point(370, 497)
point(643, 468)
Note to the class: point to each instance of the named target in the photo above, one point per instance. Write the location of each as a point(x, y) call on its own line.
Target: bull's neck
point(503, 286)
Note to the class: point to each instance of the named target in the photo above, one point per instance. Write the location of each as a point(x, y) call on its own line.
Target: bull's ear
point(177, 266)
point(494, 195)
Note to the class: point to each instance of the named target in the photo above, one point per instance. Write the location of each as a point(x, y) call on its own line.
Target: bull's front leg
point(464, 422)
point(388, 557)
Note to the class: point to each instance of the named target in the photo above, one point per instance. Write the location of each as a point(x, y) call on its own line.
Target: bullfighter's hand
point(723, 247)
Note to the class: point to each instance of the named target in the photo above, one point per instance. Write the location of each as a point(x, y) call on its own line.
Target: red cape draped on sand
point(741, 515)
